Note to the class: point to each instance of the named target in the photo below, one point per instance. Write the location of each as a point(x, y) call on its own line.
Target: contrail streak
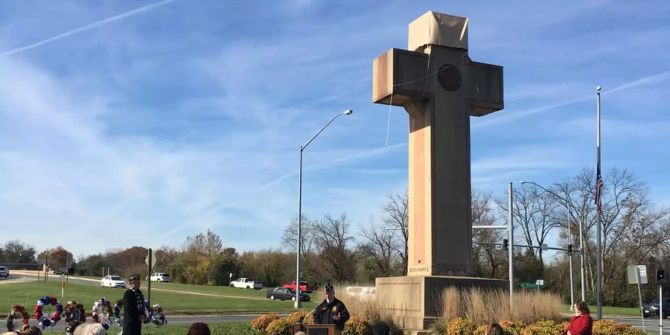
point(86, 27)
point(636, 83)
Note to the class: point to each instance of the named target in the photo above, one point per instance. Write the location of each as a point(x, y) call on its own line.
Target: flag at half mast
point(599, 188)
point(599, 177)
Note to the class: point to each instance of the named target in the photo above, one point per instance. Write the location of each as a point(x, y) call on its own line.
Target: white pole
point(639, 297)
point(297, 303)
point(299, 246)
point(599, 261)
point(572, 288)
point(660, 309)
point(581, 259)
point(510, 237)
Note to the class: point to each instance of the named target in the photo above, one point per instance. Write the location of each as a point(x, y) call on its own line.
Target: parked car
point(61, 271)
point(304, 286)
point(281, 293)
point(246, 283)
point(112, 281)
point(652, 308)
point(160, 276)
point(4, 271)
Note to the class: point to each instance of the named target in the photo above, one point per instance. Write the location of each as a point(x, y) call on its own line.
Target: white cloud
point(192, 125)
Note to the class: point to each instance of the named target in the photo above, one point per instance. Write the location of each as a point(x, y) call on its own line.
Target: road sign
point(153, 259)
point(530, 285)
point(632, 274)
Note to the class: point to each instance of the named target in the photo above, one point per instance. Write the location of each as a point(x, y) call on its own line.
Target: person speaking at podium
point(331, 310)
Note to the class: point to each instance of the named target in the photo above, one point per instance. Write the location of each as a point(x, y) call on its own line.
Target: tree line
point(634, 232)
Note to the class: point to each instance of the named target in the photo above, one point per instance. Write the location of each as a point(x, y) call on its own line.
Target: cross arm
point(400, 78)
point(484, 88)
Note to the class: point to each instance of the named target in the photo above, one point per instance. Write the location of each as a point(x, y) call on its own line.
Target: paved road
point(14, 278)
point(651, 325)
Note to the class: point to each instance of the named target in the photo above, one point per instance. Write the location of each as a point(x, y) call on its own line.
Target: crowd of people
point(330, 311)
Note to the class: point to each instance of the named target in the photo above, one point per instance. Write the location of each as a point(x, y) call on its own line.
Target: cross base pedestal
point(415, 302)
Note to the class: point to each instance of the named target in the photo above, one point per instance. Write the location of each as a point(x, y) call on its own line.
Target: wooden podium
point(325, 329)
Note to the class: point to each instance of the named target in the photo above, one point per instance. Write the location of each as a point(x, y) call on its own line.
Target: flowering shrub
point(309, 319)
point(512, 327)
point(296, 317)
point(263, 321)
point(273, 324)
point(357, 325)
point(543, 327)
point(607, 327)
point(481, 330)
point(278, 327)
point(460, 326)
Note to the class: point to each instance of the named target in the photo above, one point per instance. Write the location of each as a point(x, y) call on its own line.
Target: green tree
point(17, 252)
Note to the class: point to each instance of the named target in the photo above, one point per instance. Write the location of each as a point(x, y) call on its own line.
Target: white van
point(161, 277)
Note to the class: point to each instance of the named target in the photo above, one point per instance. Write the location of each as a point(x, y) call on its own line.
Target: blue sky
point(140, 123)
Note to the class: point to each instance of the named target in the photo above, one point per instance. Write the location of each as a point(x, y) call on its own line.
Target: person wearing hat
point(133, 307)
point(331, 310)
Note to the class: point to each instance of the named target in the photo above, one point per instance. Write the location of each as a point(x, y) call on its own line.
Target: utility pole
point(510, 236)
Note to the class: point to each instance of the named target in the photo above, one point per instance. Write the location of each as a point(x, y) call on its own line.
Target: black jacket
point(132, 325)
point(323, 314)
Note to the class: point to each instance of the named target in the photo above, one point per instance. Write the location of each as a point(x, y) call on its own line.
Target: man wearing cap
point(133, 307)
point(331, 310)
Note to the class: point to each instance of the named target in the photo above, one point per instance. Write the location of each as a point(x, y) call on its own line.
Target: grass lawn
point(218, 290)
point(231, 328)
point(173, 302)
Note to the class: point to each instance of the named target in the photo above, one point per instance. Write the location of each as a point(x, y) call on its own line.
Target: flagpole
point(599, 262)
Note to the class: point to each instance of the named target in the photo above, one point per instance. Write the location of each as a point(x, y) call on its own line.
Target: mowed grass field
point(174, 298)
point(229, 328)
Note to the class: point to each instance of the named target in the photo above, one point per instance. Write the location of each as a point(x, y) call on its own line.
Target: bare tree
point(332, 236)
point(396, 221)
point(290, 236)
point(487, 256)
point(534, 212)
point(379, 247)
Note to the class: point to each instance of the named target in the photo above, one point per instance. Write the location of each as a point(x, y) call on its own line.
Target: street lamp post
point(297, 254)
point(581, 250)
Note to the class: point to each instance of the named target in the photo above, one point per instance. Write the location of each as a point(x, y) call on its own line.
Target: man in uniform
point(331, 310)
point(133, 307)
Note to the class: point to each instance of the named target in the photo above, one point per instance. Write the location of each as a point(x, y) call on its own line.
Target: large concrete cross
point(440, 87)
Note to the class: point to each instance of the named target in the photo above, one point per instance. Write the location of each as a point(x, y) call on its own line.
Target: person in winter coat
point(581, 323)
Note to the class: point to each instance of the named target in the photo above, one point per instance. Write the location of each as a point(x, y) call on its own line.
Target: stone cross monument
point(440, 87)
